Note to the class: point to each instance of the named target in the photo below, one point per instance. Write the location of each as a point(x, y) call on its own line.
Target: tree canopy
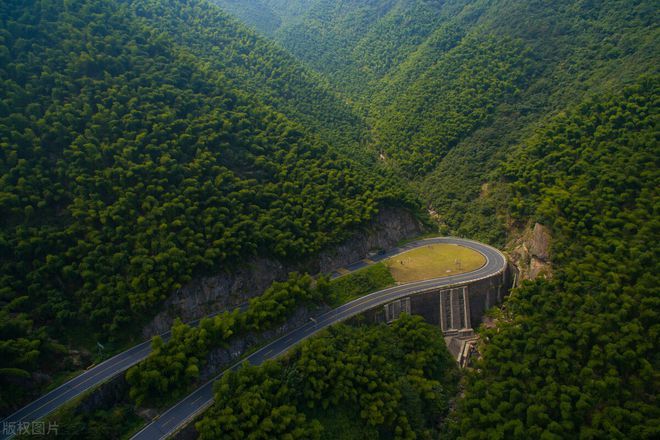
point(396, 379)
point(132, 160)
point(577, 356)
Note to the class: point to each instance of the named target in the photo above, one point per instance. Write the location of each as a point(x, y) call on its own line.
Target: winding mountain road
point(200, 399)
point(193, 405)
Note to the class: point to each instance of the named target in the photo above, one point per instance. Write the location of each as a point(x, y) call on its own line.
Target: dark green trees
point(255, 403)
point(132, 160)
point(394, 380)
point(577, 356)
point(174, 365)
point(450, 87)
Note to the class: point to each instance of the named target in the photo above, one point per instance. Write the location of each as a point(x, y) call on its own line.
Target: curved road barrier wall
point(398, 299)
point(471, 292)
point(453, 308)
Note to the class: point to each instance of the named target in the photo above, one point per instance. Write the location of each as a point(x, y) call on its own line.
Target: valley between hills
point(188, 183)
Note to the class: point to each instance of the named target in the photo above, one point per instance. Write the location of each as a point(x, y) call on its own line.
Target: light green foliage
point(147, 142)
point(356, 42)
point(578, 355)
point(255, 13)
point(353, 285)
point(395, 378)
point(459, 92)
point(575, 48)
point(278, 301)
point(173, 365)
point(257, 68)
point(449, 87)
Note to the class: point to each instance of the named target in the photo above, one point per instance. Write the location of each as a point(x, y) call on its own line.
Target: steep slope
point(576, 49)
point(266, 16)
point(578, 356)
point(509, 113)
point(485, 76)
point(131, 162)
point(256, 67)
point(355, 43)
point(461, 78)
point(497, 61)
point(257, 14)
point(346, 383)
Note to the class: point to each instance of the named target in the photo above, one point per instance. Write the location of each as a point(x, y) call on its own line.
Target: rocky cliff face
point(222, 358)
point(227, 290)
point(386, 229)
point(116, 390)
point(531, 252)
point(104, 396)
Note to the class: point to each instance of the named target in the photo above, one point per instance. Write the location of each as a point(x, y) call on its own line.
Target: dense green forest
point(130, 163)
point(257, 68)
point(265, 16)
point(354, 43)
point(577, 356)
point(146, 143)
point(349, 382)
point(174, 365)
point(449, 87)
point(510, 112)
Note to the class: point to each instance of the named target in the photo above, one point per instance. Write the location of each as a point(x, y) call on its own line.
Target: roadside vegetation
point(355, 284)
point(173, 366)
point(577, 356)
point(148, 143)
point(396, 379)
point(131, 163)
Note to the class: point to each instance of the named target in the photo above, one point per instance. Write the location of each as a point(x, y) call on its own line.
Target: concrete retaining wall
point(481, 295)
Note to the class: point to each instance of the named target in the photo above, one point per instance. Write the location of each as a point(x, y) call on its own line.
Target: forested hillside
point(449, 87)
point(351, 42)
point(256, 14)
point(577, 356)
point(507, 113)
point(577, 48)
point(347, 383)
point(255, 67)
point(144, 143)
point(266, 16)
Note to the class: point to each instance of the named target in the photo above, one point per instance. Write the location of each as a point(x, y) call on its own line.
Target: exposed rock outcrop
point(539, 246)
point(531, 252)
point(228, 290)
point(387, 228)
point(222, 358)
point(104, 396)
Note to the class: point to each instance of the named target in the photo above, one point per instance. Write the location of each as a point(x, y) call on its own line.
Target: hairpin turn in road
point(195, 403)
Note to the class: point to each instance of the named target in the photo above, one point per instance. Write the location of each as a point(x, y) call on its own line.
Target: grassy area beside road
point(359, 283)
point(423, 263)
point(433, 261)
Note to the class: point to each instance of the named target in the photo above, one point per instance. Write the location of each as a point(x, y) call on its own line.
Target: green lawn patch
point(433, 261)
point(359, 283)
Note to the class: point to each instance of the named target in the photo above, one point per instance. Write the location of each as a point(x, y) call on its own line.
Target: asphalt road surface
point(198, 400)
point(123, 361)
point(80, 384)
point(193, 405)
